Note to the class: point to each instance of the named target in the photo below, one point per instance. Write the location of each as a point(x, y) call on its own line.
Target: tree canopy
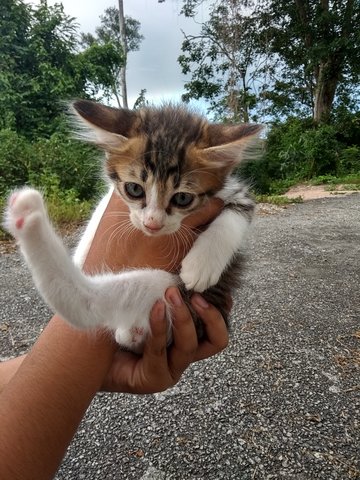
point(104, 52)
point(299, 56)
point(44, 62)
point(38, 61)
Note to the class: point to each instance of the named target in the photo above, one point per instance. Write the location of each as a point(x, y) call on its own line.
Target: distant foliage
point(298, 150)
point(44, 64)
point(54, 164)
point(16, 160)
point(104, 56)
point(38, 67)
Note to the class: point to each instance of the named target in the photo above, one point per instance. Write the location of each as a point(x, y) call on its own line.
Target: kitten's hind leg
point(120, 301)
point(62, 285)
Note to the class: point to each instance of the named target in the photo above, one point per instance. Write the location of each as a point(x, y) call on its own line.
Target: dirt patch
point(7, 246)
point(311, 192)
point(269, 209)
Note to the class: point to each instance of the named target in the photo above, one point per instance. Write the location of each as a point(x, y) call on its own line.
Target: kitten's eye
point(182, 199)
point(134, 190)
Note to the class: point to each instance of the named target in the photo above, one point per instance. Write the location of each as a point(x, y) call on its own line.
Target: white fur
point(214, 249)
point(88, 236)
point(120, 301)
point(150, 219)
point(222, 239)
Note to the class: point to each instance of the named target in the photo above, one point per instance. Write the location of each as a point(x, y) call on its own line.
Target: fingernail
point(175, 298)
point(200, 301)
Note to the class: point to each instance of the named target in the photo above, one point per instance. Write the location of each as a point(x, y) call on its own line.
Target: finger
point(207, 213)
point(217, 336)
point(155, 345)
point(184, 334)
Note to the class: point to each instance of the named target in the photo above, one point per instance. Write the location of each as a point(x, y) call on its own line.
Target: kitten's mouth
point(153, 232)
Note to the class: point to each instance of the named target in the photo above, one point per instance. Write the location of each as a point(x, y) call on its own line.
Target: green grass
point(347, 182)
point(63, 212)
point(351, 186)
point(277, 199)
point(351, 179)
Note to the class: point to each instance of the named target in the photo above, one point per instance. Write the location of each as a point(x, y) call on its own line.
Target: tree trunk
point(326, 84)
point(124, 47)
point(328, 73)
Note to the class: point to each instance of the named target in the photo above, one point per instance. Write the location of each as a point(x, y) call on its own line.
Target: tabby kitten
point(165, 163)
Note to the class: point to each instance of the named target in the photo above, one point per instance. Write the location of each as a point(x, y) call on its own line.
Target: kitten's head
point(164, 162)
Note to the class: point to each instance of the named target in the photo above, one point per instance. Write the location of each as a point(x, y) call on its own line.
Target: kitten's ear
point(105, 126)
point(231, 144)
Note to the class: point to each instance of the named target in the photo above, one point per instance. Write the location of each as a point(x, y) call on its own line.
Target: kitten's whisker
point(171, 263)
point(187, 236)
point(114, 228)
point(167, 248)
point(121, 229)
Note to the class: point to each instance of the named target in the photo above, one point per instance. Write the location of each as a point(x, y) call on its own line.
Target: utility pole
point(124, 47)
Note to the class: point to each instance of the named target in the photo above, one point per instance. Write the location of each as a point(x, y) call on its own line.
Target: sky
point(154, 67)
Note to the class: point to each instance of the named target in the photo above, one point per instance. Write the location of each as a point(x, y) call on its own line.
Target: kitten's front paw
point(24, 210)
point(199, 272)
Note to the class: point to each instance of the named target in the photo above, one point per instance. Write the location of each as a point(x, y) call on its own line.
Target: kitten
point(165, 163)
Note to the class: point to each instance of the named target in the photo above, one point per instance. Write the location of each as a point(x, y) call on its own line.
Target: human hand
point(160, 367)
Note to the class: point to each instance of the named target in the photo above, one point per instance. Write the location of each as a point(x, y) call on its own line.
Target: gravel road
point(281, 402)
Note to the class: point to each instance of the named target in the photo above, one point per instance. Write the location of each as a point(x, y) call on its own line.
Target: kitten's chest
point(123, 249)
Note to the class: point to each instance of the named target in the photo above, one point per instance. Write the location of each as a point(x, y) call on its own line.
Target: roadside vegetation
point(300, 151)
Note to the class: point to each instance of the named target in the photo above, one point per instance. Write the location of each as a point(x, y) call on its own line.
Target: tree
point(41, 64)
point(105, 54)
point(308, 51)
point(317, 43)
point(141, 101)
point(15, 23)
point(38, 66)
point(222, 60)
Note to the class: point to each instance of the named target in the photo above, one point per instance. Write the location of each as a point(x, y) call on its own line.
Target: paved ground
point(281, 402)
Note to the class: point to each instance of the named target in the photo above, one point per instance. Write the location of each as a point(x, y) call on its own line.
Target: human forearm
point(42, 406)
point(8, 369)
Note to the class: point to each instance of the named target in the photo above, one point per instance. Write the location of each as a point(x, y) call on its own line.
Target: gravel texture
point(281, 402)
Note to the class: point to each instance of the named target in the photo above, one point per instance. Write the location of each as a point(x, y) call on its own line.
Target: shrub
point(349, 161)
point(298, 150)
point(71, 165)
point(16, 159)
point(76, 165)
